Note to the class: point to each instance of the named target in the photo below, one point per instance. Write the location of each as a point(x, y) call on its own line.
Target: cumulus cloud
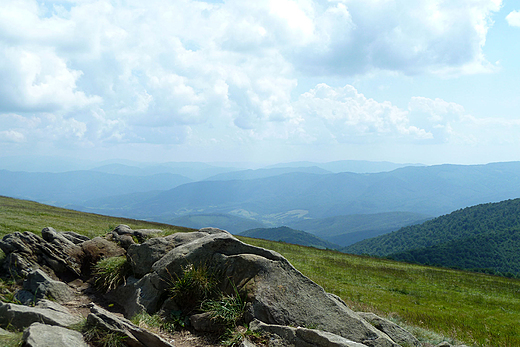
point(513, 19)
point(99, 71)
point(350, 116)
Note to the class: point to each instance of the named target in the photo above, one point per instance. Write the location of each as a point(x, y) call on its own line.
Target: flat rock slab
point(301, 337)
point(48, 312)
point(136, 336)
point(41, 335)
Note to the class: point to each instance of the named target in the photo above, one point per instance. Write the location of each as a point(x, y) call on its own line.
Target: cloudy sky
point(429, 81)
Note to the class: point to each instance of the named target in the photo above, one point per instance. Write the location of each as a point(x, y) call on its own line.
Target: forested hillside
point(482, 237)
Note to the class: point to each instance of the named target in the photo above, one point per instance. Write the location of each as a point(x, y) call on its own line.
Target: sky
point(407, 81)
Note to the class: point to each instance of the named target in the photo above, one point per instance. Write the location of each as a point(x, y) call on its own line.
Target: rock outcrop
point(280, 302)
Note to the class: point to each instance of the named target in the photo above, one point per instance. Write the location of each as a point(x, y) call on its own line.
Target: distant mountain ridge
point(288, 235)
point(485, 236)
point(432, 191)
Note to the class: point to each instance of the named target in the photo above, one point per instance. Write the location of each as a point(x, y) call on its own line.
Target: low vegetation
point(109, 273)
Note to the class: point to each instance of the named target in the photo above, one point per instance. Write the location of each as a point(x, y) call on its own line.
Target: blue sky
point(266, 81)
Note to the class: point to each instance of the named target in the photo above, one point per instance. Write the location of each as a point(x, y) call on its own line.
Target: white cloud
point(11, 136)
point(513, 19)
point(349, 116)
point(168, 71)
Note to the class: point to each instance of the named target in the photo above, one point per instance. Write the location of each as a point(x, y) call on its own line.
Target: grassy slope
point(479, 309)
point(23, 215)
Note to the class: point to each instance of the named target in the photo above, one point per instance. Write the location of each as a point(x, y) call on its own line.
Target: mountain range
point(340, 207)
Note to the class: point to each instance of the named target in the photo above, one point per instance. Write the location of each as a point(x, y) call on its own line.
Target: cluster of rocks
point(282, 304)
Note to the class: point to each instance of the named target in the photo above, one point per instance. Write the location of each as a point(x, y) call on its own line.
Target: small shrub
point(195, 285)
point(7, 290)
point(98, 337)
point(110, 272)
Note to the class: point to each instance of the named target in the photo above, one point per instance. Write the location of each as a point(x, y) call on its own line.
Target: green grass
point(24, 215)
point(478, 309)
point(12, 340)
point(109, 273)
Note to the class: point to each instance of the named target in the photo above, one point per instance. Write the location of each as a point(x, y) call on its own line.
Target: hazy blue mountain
point(195, 171)
point(346, 230)
point(263, 173)
point(357, 166)
point(233, 224)
point(75, 187)
point(485, 236)
point(432, 190)
point(288, 235)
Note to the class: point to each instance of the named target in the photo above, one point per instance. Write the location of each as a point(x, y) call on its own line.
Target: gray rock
point(4, 332)
point(123, 229)
point(26, 252)
point(396, 333)
point(48, 312)
point(41, 335)
point(301, 337)
point(145, 234)
point(74, 237)
point(143, 256)
point(25, 297)
point(110, 322)
point(41, 285)
point(204, 322)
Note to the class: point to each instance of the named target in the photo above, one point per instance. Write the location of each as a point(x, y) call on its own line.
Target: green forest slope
point(482, 237)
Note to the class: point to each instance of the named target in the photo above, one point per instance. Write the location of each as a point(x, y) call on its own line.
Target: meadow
point(436, 304)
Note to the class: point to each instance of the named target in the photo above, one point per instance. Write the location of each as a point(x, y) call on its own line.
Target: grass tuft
point(12, 339)
point(196, 284)
point(109, 273)
point(98, 337)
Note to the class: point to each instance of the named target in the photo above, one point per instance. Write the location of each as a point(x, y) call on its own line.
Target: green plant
point(7, 290)
point(12, 339)
point(109, 273)
point(196, 284)
point(227, 311)
point(147, 321)
point(102, 338)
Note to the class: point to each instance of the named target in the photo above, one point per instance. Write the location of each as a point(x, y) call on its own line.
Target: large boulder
point(47, 312)
point(277, 293)
point(42, 335)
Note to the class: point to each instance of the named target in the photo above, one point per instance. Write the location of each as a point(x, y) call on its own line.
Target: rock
point(446, 344)
point(99, 248)
point(246, 343)
point(74, 237)
point(41, 335)
point(48, 312)
point(124, 240)
point(143, 256)
point(145, 234)
point(4, 332)
point(301, 337)
point(204, 322)
point(277, 292)
point(41, 285)
point(396, 333)
point(123, 229)
point(138, 337)
point(26, 252)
